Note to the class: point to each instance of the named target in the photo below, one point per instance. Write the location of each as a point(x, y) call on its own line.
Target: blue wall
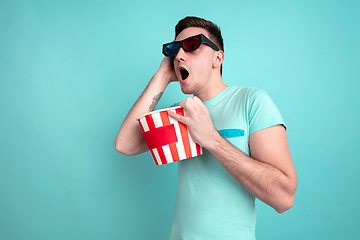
point(71, 70)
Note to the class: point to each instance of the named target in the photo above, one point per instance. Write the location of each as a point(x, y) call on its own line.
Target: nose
point(180, 56)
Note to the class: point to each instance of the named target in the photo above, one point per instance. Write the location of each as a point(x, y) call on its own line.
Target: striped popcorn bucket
point(168, 140)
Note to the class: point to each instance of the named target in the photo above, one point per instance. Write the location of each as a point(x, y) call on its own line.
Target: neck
point(211, 89)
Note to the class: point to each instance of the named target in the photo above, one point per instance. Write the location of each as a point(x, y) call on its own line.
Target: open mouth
point(184, 73)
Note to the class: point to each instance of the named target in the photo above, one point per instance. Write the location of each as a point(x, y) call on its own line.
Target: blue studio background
point(71, 70)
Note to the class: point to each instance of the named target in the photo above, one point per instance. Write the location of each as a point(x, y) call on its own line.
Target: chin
point(185, 91)
point(188, 90)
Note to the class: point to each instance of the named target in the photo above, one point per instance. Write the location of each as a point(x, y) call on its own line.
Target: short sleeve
point(262, 112)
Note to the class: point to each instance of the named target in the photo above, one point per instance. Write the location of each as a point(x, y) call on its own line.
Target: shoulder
point(244, 90)
point(247, 94)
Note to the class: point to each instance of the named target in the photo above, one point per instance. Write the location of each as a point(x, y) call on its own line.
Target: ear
point(218, 59)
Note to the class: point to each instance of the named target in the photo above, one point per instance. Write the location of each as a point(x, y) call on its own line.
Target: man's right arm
point(129, 140)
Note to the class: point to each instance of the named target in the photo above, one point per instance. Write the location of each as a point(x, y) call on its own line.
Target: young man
point(246, 151)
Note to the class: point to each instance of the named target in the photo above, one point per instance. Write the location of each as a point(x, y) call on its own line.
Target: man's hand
point(197, 120)
point(269, 176)
point(167, 69)
point(129, 140)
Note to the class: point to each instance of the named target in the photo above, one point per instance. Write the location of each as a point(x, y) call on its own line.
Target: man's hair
point(212, 28)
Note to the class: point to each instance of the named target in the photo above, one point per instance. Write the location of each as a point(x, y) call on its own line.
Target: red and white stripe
point(168, 148)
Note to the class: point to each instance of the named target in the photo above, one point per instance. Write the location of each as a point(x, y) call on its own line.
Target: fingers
point(198, 101)
point(192, 106)
point(167, 68)
point(177, 117)
point(189, 105)
point(195, 106)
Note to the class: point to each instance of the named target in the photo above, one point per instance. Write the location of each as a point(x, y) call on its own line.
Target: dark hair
point(212, 28)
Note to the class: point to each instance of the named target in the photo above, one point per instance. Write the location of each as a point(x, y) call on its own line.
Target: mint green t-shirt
point(210, 203)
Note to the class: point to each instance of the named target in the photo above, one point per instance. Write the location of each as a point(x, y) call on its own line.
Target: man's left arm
point(269, 173)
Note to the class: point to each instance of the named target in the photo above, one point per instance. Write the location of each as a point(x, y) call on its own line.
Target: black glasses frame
point(202, 39)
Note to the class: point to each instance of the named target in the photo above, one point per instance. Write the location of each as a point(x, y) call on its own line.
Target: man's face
point(193, 69)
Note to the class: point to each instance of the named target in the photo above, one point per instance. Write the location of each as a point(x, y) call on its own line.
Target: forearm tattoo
point(155, 101)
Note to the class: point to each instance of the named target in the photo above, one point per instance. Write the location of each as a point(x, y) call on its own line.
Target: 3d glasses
point(189, 45)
